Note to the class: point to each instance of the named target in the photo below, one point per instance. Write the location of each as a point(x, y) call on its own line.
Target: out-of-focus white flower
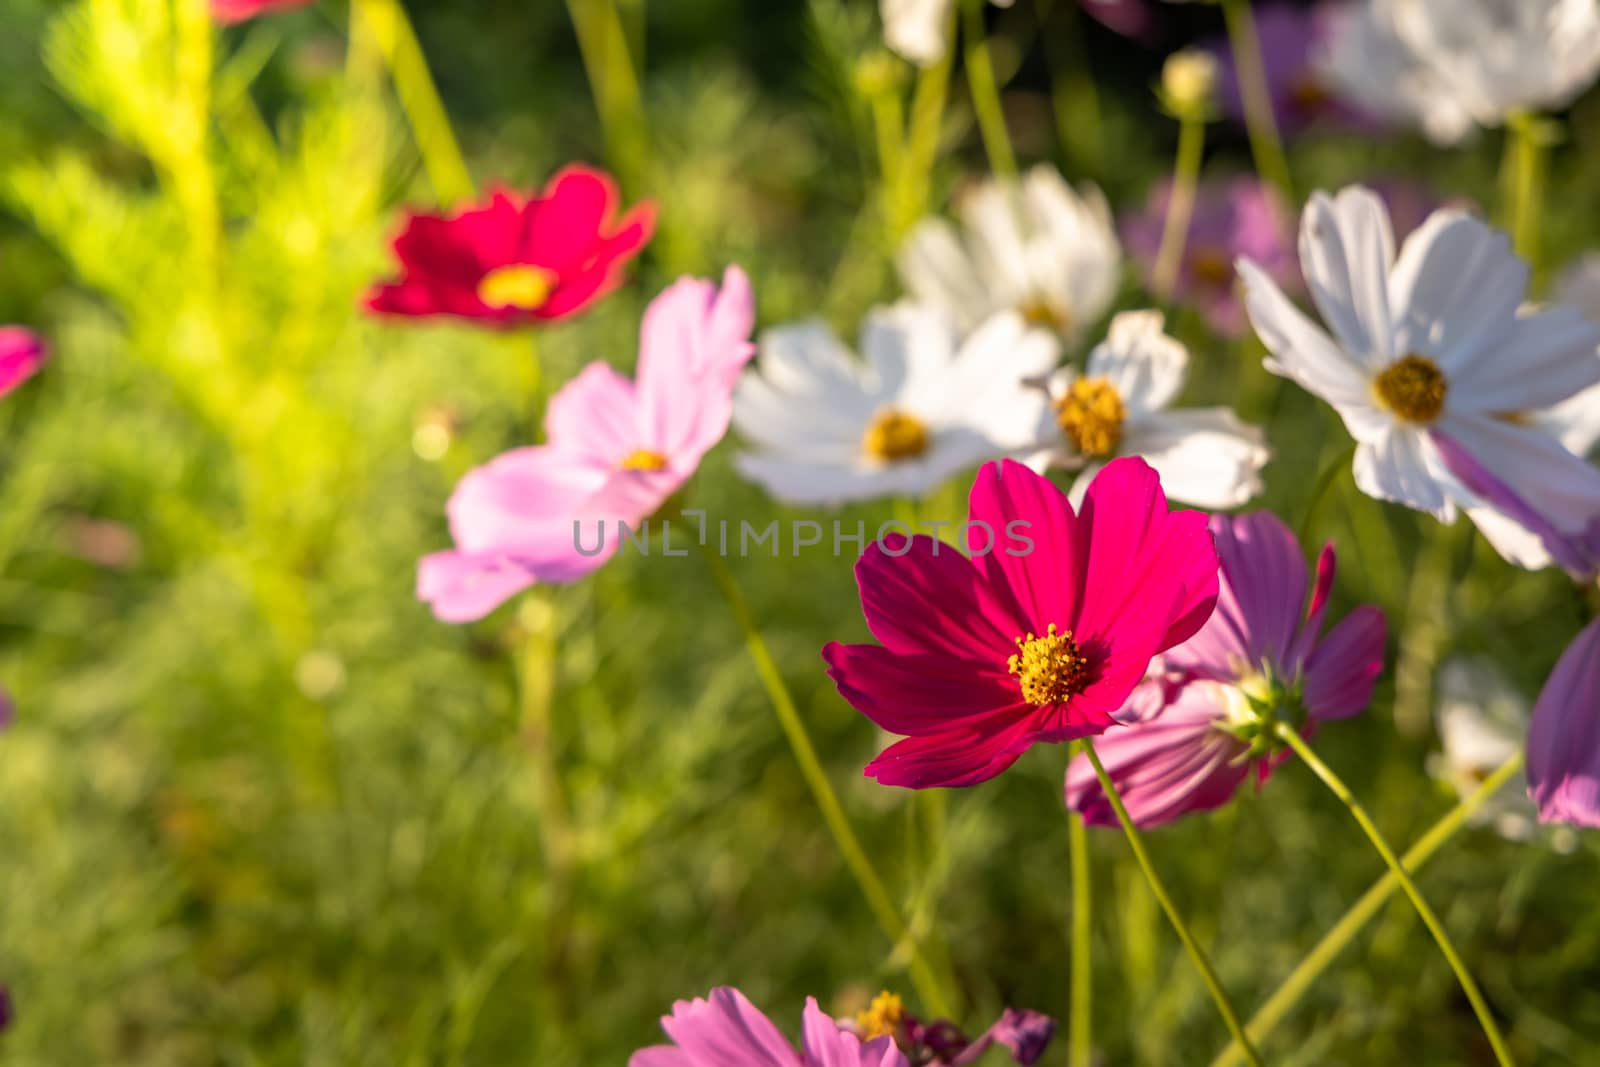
point(1369, 64)
point(919, 30)
point(1031, 245)
point(1504, 56)
point(1482, 721)
point(1577, 421)
point(924, 406)
point(1435, 344)
point(1119, 407)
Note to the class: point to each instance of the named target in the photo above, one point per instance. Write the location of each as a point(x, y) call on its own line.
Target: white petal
point(1512, 541)
point(1557, 484)
point(1147, 367)
point(1580, 285)
point(1544, 358)
point(1346, 252)
point(1399, 467)
point(1575, 423)
point(991, 212)
point(1074, 256)
point(1205, 456)
point(1301, 350)
point(936, 269)
point(916, 28)
point(909, 349)
point(988, 386)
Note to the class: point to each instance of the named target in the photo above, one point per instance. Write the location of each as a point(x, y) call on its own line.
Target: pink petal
point(523, 504)
point(596, 415)
point(22, 353)
point(1262, 595)
point(726, 1030)
point(1564, 736)
point(464, 588)
point(826, 1044)
point(1345, 665)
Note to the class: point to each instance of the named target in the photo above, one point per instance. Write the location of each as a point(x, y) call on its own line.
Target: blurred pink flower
point(1564, 736)
point(1200, 730)
point(617, 448)
point(726, 1030)
point(1041, 639)
point(1239, 217)
point(240, 10)
point(22, 353)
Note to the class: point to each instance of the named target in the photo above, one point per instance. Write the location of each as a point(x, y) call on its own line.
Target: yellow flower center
point(1211, 266)
point(1049, 669)
point(1091, 415)
point(882, 1017)
point(520, 285)
point(1045, 313)
point(1413, 387)
point(894, 436)
point(644, 460)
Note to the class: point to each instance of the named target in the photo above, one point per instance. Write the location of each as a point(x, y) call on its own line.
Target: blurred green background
point(259, 807)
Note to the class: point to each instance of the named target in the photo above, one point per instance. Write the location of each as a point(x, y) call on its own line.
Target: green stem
point(603, 45)
point(1480, 1007)
point(986, 95)
point(419, 98)
point(922, 144)
point(1265, 144)
point(1080, 1049)
point(1180, 206)
point(1201, 963)
point(1334, 941)
point(833, 814)
point(1319, 492)
point(1527, 147)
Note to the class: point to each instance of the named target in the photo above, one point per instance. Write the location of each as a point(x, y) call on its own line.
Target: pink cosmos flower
point(1042, 635)
point(616, 449)
point(239, 10)
point(22, 353)
point(726, 1030)
point(514, 262)
point(1564, 736)
point(1200, 729)
point(1240, 217)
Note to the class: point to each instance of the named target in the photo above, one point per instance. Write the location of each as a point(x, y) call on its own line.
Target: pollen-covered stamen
point(520, 285)
point(1049, 669)
point(643, 459)
point(1091, 415)
point(1413, 388)
point(881, 1018)
point(1045, 313)
point(894, 436)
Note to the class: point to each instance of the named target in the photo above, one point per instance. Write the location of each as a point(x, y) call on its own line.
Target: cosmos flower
point(240, 10)
point(1119, 406)
point(925, 405)
point(1031, 245)
point(1293, 41)
point(617, 448)
point(22, 353)
point(1256, 661)
point(1024, 1034)
point(1504, 56)
point(725, 1030)
point(1564, 737)
point(1431, 345)
point(517, 261)
point(919, 30)
point(1036, 640)
point(1240, 217)
point(1366, 62)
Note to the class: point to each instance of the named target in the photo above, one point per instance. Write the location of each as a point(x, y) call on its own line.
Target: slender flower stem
point(1201, 963)
point(419, 98)
point(986, 94)
point(921, 143)
point(1319, 492)
point(1361, 912)
point(603, 45)
point(1080, 1046)
point(1180, 205)
point(1480, 1006)
point(1265, 144)
point(1528, 142)
point(805, 754)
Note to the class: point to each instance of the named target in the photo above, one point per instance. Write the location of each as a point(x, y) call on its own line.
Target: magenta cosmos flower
point(1204, 726)
point(513, 261)
point(1294, 44)
point(22, 353)
point(616, 449)
point(240, 10)
point(1040, 636)
point(726, 1030)
point(1564, 736)
point(1243, 216)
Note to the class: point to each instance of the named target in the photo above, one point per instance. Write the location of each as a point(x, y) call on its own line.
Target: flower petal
point(1346, 252)
point(1345, 665)
point(1564, 736)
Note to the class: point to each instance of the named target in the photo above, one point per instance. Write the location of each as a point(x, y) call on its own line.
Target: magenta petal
point(918, 694)
point(931, 598)
point(954, 759)
point(826, 1044)
point(1345, 665)
point(1564, 736)
point(1041, 586)
point(726, 1030)
point(22, 353)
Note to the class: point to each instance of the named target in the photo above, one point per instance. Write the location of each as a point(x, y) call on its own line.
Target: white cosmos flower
point(1577, 421)
point(1482, 722)
point(1434, 342)
point(1119, 406)
point(1031, 245)
point(1502, 56)
point(1369, 64)
point(925, 405)
point(919, 29)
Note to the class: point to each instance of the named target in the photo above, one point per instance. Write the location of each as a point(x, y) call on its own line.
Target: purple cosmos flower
point(1240, 217)
point(1564, 736)
point(1025, 1034)
point(1199, 731)
point(726, 1030)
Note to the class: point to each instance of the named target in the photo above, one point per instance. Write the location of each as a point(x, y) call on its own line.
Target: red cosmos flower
point(516, 261)
point(239, 10)
point(1041, 636)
